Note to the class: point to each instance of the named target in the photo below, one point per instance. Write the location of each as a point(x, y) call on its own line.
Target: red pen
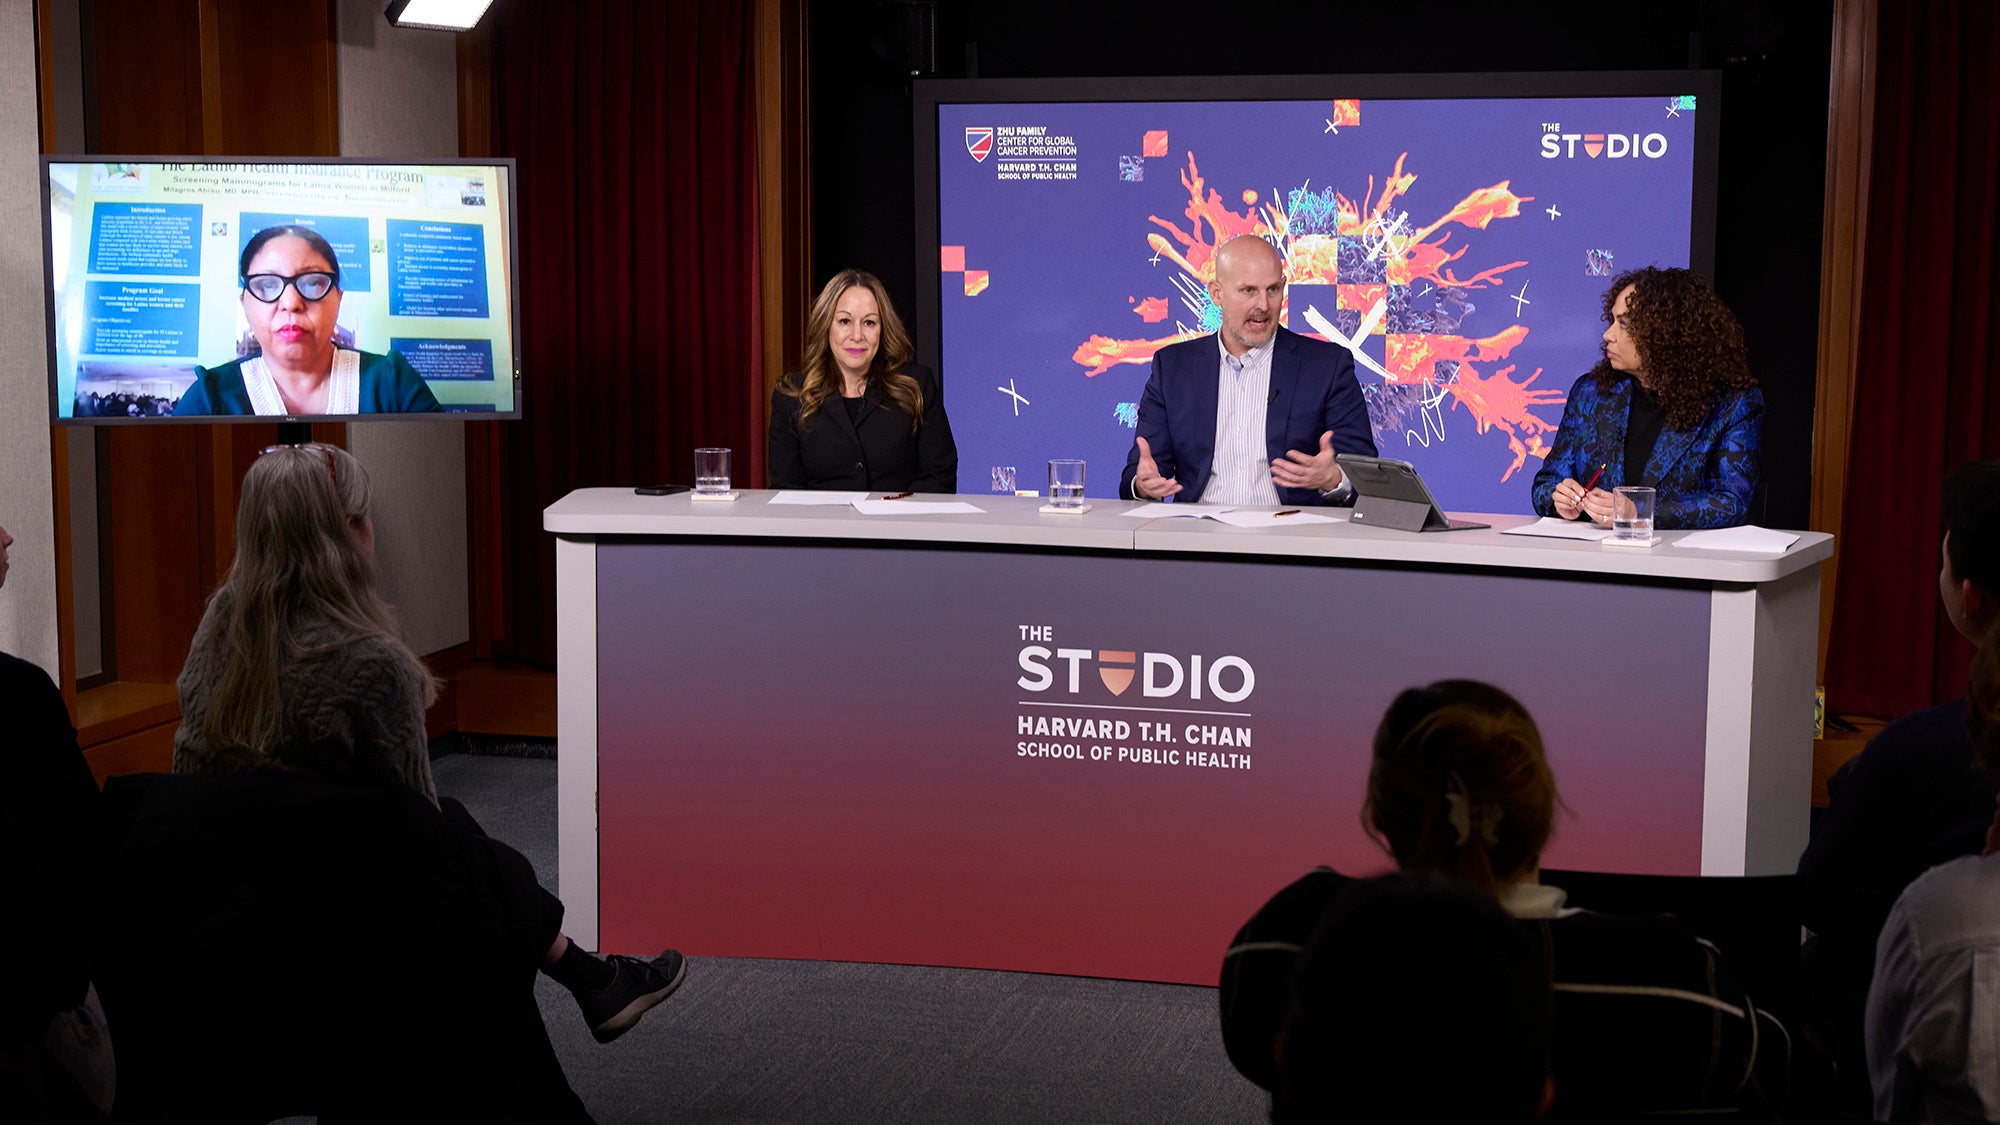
point(899, 495)
point(1594, 478)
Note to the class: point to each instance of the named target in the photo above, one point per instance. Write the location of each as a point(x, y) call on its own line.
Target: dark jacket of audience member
point(1648, 1019)
point(1912, 799)
point(48, 824)
point(1415, 1000)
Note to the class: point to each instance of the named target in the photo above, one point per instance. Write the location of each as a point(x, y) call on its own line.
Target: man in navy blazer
point(1253, 414)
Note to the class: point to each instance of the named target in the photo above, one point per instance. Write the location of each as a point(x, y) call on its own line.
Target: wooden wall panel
point(145, 68)
point(194, 77)
point(784, 189)
point(279, 82)
point(153, 545)
point(1849, 142)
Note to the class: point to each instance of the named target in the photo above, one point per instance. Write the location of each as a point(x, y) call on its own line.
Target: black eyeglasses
point(268, 287)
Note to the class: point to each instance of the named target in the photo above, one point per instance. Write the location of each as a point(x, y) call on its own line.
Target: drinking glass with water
point(1065, 484)
point(1632, 513)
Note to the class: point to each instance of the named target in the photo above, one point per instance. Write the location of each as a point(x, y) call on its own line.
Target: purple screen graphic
point(831, 752)
point(1460, 248)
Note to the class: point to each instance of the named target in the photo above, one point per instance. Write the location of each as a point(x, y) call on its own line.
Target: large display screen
point(148, 295)
point(1455, 233)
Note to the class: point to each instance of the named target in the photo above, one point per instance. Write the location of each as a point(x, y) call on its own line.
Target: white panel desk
point(1728, 637)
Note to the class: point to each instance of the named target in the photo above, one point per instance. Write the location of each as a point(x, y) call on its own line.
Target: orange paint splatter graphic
point(1496, 400)
point(1102, 353)
point(1346, 111)
point(1210, 224)
point(1373, 242)
point(951, 259)
point(1154, 144)
point(975, 282)
point(1361, 297)
point(1410, 356)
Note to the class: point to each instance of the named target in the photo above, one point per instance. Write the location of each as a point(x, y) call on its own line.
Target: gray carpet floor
point(778, 1041)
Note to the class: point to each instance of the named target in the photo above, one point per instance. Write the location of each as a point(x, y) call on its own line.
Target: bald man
point(1254, 413)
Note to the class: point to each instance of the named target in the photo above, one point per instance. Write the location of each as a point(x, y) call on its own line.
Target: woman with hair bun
point(1647, 1019)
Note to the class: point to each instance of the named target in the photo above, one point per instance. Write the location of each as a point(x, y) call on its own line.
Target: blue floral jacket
point(1705, 476)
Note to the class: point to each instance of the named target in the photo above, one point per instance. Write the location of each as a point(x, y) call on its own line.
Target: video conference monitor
point(152, 319)
point(1455, 232)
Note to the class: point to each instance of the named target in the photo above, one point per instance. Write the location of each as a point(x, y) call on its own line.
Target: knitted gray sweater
point(353, 712)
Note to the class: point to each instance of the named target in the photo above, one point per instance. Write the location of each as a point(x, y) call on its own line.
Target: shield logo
point(1593, 143)
point(1116, 679)
point(979, 142)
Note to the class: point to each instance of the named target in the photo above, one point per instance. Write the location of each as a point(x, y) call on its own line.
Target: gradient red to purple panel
point(816, 752)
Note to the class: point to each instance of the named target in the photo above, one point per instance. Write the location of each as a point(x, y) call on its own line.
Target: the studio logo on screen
point(1557, 144)
point(1158, 675)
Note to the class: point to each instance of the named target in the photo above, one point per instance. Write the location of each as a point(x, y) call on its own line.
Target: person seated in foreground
point(1648, 1018)
point(1416, 1000)
point(1672, 405)
point(56, 1059)
point(1933, 1017)
point(299, 666)
point(1912, 799)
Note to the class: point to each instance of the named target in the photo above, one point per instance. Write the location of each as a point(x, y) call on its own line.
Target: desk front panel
point(1077, 763)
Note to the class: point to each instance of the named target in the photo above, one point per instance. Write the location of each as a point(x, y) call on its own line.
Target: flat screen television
point(145, 295)
point(1455, 232)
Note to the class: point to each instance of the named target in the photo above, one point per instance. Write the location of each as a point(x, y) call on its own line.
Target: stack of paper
point(1549, 527)
point(1749, 537)
point(1175, 511)
point(913, 507)
point(801, 496)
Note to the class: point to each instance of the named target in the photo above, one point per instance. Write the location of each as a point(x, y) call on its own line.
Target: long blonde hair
point(819, 380)
point(300, 565)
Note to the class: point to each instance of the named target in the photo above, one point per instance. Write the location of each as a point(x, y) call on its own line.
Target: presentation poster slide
point(144, 275)
point(1460, 249)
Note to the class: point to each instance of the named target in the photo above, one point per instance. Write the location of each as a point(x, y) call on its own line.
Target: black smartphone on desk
point(662, 489)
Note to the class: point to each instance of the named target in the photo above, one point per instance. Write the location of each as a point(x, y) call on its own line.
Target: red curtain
point(633, 124)
point(1924, 392)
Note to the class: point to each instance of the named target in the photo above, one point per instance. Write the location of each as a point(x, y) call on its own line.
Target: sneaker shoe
point(636, 985)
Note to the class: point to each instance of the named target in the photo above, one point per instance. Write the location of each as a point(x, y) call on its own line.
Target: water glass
point(711, 472)
point(1065, 484)
point(1632, 514)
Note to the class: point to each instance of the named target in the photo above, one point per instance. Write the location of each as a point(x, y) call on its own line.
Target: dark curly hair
point(1689, 341)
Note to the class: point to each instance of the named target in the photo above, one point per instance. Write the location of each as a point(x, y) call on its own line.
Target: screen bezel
point(504, 163)
point(928, 94)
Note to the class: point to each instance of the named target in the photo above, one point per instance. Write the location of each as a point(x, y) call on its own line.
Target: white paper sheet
point(1750, 537)
point(1289, 517)
point(1549, 527)
point(1175, 511)
point(801, 496)
point(913, 507)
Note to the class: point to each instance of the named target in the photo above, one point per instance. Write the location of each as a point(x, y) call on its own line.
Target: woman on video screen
point(290, 282)
point(860, 415)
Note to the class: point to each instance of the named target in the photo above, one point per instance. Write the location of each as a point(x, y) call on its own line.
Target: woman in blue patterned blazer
point(1671, 405)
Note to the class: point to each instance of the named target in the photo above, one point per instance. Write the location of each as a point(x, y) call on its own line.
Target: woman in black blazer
point(860, 415)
